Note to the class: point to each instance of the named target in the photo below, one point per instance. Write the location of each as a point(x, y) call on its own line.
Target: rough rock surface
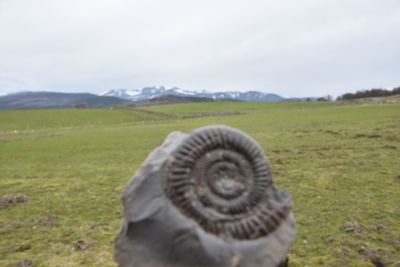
point(156, 233)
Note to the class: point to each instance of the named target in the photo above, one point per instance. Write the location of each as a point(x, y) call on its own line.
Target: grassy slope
point(340, 163)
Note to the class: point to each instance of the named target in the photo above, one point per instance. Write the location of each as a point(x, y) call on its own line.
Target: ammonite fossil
point(205, 198)
point(220, 178)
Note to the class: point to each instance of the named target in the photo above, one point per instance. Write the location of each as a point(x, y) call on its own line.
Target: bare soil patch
point(367, 136)
point(372, 256)
point(50, 221)
point(81, 245)
point(24, 263)
point(12, 200)
point(354, 227)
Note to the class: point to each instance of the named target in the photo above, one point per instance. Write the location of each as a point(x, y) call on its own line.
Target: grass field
point(341, 163)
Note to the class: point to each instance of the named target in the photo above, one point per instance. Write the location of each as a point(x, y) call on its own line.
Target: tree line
point(369, 93)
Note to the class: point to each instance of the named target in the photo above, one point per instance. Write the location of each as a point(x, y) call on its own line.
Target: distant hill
point(154, 92)
point(26, 100)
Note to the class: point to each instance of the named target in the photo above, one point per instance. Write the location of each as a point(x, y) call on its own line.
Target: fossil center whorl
point(219, 177)
point(226, 180)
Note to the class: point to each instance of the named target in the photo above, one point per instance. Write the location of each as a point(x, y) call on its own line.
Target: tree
point(375, 92)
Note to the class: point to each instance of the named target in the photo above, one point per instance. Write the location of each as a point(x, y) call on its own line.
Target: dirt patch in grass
point(367, 136)
point(392, 138)
point(390, 147)
point(353, 227)
point(282, 150)
point(23, 248)
point(359, 136)
point(12, 200)
point(330, 240)
point(371, 255)
point(374, 136)
point(393, 241)
point(378, 227)
point(281, 160)
point(332, 132)
point(345, 252)
point(81, 245)
point(50, 221)
point(24, 263)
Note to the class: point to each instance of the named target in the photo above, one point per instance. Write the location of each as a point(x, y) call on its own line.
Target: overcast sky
point(292, 48)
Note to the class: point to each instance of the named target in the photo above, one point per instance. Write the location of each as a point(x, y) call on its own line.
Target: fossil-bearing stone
point(205, 199)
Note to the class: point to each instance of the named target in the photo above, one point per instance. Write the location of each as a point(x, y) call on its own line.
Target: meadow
point(62, 173)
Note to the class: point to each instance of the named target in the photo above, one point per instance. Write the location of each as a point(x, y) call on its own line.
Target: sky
point(293, 48)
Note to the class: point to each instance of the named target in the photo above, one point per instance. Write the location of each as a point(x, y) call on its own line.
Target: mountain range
point(24, 100)
point(134, 97)
point(153, 92)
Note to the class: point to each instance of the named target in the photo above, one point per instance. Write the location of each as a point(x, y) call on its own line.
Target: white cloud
point(293, 48)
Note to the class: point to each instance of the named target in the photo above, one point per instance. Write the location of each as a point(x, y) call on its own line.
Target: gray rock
point(205, 199)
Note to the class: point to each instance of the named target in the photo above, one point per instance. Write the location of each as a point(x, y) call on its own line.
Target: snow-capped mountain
point(152, 92)
point(122, 93)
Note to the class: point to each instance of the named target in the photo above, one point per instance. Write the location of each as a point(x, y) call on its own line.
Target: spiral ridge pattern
point(220, 178)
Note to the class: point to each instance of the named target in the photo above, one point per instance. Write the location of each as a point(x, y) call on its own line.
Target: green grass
point(245, 107)
point(25, 120)
point(339, 162)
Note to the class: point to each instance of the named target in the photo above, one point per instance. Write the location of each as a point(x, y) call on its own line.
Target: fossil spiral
point(219, 177)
